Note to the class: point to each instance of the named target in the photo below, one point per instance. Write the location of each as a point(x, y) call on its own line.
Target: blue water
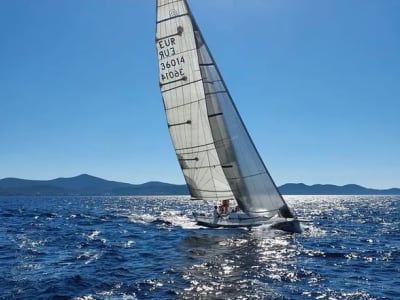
point(148, 248)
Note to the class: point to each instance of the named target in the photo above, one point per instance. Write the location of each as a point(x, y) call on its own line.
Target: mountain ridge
point(85, 184)
point(331, 189)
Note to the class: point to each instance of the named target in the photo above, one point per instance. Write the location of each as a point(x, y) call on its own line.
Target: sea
point(150, 248)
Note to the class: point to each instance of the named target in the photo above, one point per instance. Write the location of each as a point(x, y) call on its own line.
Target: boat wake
point(178, 219)
point(142, 218)
point(170, 218)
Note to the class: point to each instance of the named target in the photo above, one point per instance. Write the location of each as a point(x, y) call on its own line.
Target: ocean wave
point(150, 248)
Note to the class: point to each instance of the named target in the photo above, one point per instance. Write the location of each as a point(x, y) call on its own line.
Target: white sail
point(184, 102)
point(216, 153)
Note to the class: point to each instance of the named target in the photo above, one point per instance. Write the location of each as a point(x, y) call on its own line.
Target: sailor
point(225, 207)
point(216, 214)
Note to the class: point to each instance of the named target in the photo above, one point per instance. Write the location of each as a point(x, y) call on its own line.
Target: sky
point(317, 83)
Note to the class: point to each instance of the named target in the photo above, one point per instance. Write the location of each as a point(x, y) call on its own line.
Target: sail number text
point(170, 68)
point(172, 63)
point(172, 74)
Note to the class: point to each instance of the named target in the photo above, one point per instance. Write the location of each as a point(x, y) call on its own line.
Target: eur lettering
point(167, 47)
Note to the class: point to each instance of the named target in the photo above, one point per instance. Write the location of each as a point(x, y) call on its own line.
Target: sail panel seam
point(184, 104)
point(168, 3)
point(212, 191)
point(171, 89)
point(214, 93)
point(184, 78)
point(203, 167)
point(171, 18)
point(202, 145)
point(198, 151)
point(248, 176)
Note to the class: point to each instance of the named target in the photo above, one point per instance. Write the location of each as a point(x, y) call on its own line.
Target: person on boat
point(216, 214)
point(221, 210)
point(225, 207)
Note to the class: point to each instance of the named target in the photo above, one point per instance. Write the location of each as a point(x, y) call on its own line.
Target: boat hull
point(288, 225)
point(243, 220)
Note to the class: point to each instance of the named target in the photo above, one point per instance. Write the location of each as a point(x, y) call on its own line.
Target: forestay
point(215, 151)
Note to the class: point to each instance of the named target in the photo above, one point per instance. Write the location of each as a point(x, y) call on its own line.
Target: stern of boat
point(288, 225)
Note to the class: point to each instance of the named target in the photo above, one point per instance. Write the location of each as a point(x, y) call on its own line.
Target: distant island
point(87, 185)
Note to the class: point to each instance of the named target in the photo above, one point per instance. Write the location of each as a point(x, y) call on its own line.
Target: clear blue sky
point(317, 83)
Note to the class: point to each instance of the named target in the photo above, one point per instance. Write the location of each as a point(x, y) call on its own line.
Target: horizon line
point(86, 174)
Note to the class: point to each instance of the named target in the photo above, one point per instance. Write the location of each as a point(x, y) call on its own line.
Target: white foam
point(176, 218)
point(142, 218)
point(129, 244)
point(86, 297)
point(313, 231)
point(93, 235)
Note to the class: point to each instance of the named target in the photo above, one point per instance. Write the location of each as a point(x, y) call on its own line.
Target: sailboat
point(218, 158)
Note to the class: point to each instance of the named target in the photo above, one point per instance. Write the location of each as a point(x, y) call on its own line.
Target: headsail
point(216, 153)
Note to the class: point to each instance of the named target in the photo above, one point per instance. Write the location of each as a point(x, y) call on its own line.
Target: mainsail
point(217, 156)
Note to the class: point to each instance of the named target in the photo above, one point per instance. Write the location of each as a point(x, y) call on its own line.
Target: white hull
point(244, 220)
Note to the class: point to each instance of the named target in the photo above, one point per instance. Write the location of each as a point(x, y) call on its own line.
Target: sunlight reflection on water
point(149, 247)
